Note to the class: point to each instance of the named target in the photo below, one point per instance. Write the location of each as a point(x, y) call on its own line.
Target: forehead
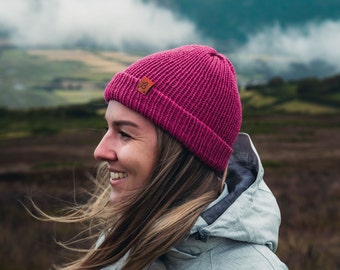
point(118, 112)
point(116, 109)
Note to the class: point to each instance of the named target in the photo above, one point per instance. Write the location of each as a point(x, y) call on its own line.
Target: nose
point(105, 149)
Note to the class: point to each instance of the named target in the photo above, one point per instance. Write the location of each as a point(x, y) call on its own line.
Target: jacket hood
point(246, 210)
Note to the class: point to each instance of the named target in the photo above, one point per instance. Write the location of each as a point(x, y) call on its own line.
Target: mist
point(312, 49)
point(118, 24)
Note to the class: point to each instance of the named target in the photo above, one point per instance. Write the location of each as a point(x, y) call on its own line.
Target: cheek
point(144, 159)
point(150, 160)
point(138, 160)
point(151, 153)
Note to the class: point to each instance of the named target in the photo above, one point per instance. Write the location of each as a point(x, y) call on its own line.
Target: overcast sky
point(306, 42)
point(106, 23)
point(130, 23)
point(314, 44)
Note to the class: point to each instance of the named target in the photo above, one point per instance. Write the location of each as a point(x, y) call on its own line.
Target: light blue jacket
point(239, 230)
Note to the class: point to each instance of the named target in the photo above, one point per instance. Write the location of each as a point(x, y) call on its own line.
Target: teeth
point(117, 175)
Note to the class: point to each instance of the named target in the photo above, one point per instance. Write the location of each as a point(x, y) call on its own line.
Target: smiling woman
point(179, 187)
point(128, 148)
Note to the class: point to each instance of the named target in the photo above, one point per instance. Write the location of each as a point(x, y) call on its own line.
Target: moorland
point(47, 139)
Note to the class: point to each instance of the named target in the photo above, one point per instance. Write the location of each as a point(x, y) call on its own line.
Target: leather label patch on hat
point(144, 85)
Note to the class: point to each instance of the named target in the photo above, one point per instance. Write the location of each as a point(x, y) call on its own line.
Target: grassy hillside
point(24, 79)
point(306, 96)
point(50, 78)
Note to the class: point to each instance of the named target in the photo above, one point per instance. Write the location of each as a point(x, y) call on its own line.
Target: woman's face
point(129, 147)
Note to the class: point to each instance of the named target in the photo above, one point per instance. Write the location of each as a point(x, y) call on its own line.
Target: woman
point(180, 187)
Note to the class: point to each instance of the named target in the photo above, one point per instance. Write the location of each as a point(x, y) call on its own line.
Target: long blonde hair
point(149, 220)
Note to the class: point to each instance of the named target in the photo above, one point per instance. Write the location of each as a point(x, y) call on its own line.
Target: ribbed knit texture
point(195, 98)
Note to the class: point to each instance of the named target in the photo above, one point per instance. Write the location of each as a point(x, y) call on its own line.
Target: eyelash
point(124, 135)
point(121, 133)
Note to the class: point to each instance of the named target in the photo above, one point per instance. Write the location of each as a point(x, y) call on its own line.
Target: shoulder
point(228, 255)
point(245, 256)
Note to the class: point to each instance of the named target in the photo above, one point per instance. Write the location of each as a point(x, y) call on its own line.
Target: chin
point(115, 198)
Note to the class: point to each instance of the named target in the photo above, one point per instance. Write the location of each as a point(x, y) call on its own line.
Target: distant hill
point(52, 78)
point(309, 95)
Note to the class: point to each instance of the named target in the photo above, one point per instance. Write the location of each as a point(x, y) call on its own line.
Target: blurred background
point(56, 56)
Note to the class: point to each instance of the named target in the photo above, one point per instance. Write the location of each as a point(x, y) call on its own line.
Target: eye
point(124, 135)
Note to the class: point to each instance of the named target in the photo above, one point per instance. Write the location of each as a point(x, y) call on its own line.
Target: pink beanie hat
point(191, 92)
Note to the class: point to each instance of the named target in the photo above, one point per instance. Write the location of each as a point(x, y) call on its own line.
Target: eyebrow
point(120, 123)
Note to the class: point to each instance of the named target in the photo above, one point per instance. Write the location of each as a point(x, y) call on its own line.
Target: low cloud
point(312, 49)
point(118, 24)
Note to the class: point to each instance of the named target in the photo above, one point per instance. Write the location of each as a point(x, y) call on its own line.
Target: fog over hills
point(263, 38)
point(119, 24)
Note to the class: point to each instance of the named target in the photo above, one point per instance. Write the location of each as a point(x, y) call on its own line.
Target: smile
point(118, 175)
